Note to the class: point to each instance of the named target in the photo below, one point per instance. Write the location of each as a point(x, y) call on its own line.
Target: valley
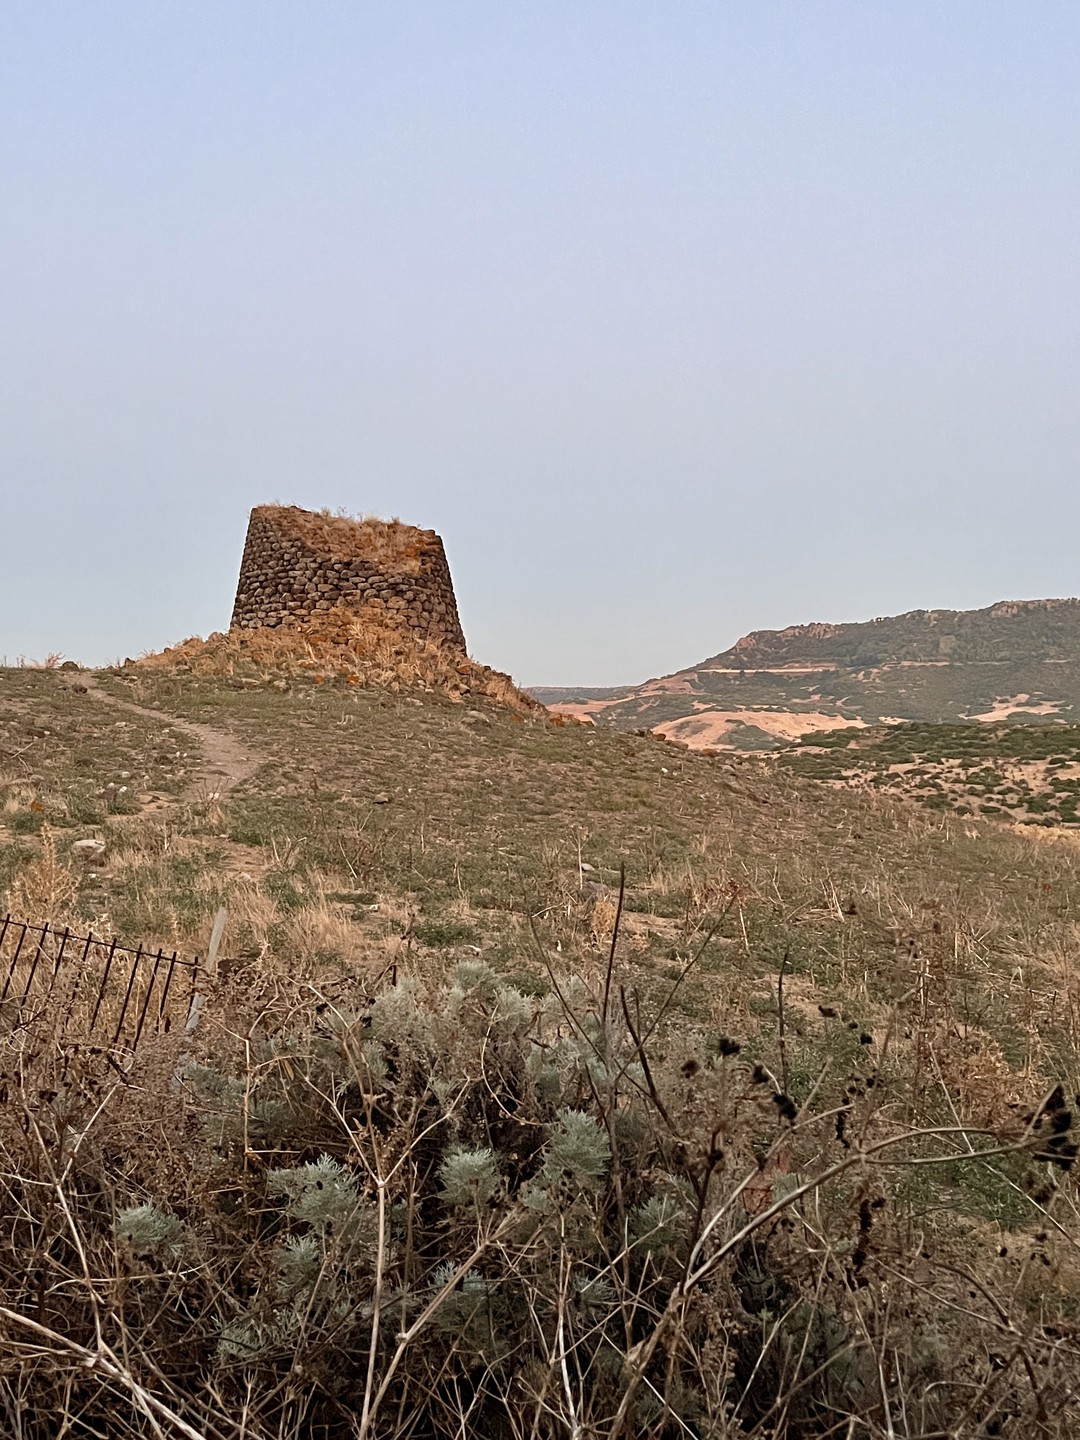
point(1012, 661)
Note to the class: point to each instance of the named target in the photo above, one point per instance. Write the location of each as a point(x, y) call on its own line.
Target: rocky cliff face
point(299, 565)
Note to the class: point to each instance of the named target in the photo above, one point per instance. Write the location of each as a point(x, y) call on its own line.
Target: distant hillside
point(1010, 630)
point(1017, 660)
point(556, 695)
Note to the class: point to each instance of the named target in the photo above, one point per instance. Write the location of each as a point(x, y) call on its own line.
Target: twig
point(106, 1363)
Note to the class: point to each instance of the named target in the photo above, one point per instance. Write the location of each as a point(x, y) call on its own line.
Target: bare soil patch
point(712, 728)
point(1016, 705)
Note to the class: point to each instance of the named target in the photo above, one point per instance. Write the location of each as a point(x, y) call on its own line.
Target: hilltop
point(324, 595)
point(1010, 630)
point(1015, 660)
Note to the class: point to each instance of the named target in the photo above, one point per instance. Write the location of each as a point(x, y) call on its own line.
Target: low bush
point(450, 1208)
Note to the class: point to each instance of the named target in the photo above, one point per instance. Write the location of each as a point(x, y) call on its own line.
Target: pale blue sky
point(675, 319)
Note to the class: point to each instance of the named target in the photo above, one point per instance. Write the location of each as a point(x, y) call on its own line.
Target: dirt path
point(227, 761)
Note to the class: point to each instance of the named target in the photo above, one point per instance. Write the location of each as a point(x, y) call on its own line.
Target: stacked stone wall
point(298, 566)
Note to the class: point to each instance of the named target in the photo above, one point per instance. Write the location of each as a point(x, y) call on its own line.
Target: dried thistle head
point(602, 919)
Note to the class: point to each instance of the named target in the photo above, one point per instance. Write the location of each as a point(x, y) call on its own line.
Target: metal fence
point(72, 990)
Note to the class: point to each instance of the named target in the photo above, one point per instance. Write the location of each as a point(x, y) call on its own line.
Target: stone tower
point(299, 565)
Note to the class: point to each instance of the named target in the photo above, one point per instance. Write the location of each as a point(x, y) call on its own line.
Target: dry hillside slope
point(780, 1139)
point(1015, 659)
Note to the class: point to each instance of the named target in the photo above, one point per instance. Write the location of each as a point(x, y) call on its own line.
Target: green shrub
point(439, 933)
point(474, 1207)
point(26, 822)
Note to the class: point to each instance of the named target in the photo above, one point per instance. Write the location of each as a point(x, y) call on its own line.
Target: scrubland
point(554, 1082)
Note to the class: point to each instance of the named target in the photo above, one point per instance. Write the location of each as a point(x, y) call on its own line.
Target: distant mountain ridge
point(1016, 659)
point(1007, 630)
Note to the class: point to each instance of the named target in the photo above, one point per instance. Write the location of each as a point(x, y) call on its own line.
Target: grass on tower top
point(391, 543)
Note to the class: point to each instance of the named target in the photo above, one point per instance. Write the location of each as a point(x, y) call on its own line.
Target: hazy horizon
point(676, 665)
point(675, 321)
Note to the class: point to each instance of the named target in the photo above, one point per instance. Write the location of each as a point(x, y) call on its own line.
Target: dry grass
point(368, 650)
point(889, 971)
point(388, 543)
point(442, 1207)
point(44, 886)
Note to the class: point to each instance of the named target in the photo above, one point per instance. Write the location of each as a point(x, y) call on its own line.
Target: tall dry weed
point(44, 886)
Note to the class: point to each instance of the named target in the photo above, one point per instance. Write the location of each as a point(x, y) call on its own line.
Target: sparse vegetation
point(778, 1142)
point(348, 537)
point(1027, 773)
point(1013, 662)
point(367, 649)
